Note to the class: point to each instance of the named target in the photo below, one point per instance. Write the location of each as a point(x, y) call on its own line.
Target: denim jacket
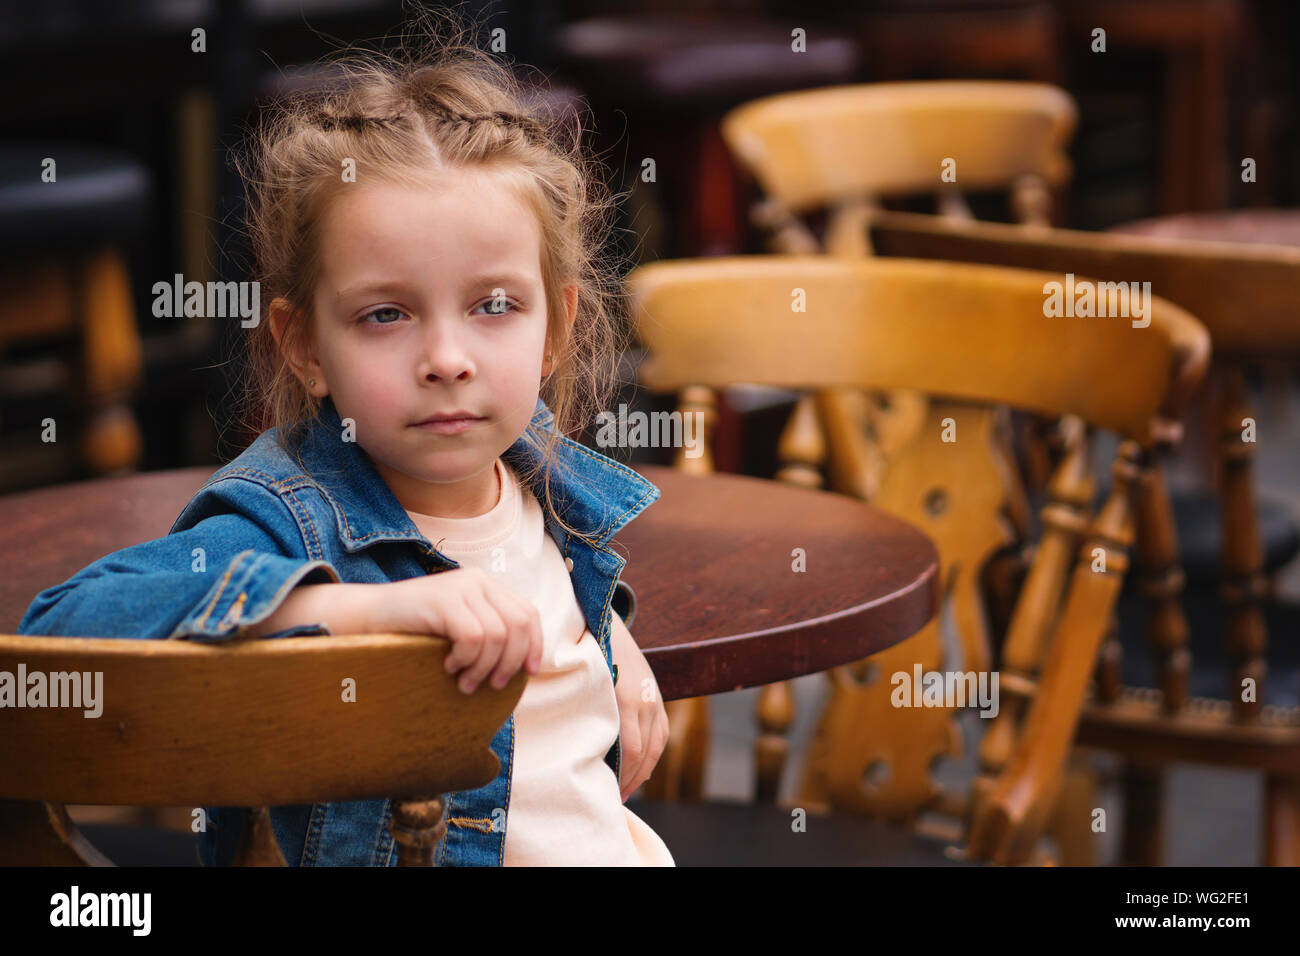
point(261, 525)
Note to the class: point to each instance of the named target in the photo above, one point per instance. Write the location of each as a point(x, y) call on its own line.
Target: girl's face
point(431, 302)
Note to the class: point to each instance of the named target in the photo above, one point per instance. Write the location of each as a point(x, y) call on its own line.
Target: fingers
point(493, 631)
point(462, 627)
point(652, 731)
point(633, 759)
point(519, 647)
point(492, 643)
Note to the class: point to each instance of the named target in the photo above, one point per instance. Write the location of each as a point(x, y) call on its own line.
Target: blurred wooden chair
point(67, 213)
point(1246, 295)
point(977, 335)
point(251, 724)
point(846, 149)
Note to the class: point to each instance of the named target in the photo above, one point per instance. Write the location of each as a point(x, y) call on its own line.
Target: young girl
point(432, 309)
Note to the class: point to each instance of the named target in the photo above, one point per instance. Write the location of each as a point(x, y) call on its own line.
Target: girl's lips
point(449, 426)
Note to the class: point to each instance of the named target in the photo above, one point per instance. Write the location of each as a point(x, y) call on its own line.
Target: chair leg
point(1244, 584)
point(679, 775)
point(775, 715)
point(1071, 825)
point(1143, 843)
point(1281, 820)
point(112, 358)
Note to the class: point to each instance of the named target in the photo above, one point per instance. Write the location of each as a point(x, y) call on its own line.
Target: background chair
point(825, 322)
point(1246, 295)
point(67, 215)
point(248, 724)
point(844, 150)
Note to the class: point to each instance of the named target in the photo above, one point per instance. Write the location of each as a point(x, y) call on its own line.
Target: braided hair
point(360, 123)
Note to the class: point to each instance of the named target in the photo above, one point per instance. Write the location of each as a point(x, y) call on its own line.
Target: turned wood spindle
point(257, 843)
point(1244, 583)
point(417, 826)
point(1160, 581)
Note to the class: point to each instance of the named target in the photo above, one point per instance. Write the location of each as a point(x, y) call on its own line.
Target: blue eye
point(386, 309)
point(509, 306)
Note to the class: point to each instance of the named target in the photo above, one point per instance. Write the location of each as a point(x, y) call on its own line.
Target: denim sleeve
point(231, 558)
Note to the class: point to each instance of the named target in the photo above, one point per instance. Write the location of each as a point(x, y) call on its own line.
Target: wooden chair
point(250, 724)
point(1246, 296)
point(845, 149)
point(976, 335)
point(65, 278)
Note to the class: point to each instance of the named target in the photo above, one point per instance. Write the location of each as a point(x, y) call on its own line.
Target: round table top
point(720, 604)
point(739, 581)
point(1277, 227)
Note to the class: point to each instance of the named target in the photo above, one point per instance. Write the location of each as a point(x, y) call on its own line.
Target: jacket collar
point(592, 492)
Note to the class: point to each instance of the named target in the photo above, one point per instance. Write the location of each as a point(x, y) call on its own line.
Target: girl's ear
point(571, 313)
point(292, 335)
point(571, 303)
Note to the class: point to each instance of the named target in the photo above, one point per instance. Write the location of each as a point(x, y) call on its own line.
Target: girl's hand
point(492, 630)
point(642, 719)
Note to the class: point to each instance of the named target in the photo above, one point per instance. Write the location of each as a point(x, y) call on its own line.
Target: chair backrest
point(836, 144)
point(250, 724)
point(1247, 296)
point(966, 332)
point(847, 148)
point(977, 335)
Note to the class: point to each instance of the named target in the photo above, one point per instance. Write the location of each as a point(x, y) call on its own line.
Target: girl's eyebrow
point(491, 278)
point(500, 278)
point(372, 288)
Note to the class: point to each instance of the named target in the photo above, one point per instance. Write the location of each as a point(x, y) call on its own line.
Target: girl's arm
point(331, 608)
point(236, 562)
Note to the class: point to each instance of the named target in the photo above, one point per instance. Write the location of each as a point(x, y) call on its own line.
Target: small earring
point(311, 382)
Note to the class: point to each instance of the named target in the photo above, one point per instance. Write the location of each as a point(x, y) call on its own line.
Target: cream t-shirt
point(564, 805)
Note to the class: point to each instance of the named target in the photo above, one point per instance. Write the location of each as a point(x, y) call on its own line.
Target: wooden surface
point(1244, 293)
point(965, 332)
point(1278, 227)
point(718, 604)
point(252, 723)
point(879, 139)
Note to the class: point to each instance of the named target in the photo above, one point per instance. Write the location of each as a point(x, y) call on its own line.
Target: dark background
point(1185, 90)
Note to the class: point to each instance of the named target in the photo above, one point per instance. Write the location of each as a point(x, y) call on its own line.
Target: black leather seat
point(99, 196)
point(1207, 622)
point(721, 833)
point(698, 63)
point(1198, 519)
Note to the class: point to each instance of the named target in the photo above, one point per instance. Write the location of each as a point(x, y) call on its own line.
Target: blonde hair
point(401, 116)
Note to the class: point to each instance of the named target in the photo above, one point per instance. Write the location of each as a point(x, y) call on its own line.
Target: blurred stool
point(676, 77)
point(963, 39)
point(66, 278)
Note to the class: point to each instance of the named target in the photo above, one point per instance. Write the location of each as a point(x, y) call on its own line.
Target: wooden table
point(719, 605)
point(1278, 227)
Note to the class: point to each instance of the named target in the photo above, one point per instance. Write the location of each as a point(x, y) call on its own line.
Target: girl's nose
point(445, 359)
